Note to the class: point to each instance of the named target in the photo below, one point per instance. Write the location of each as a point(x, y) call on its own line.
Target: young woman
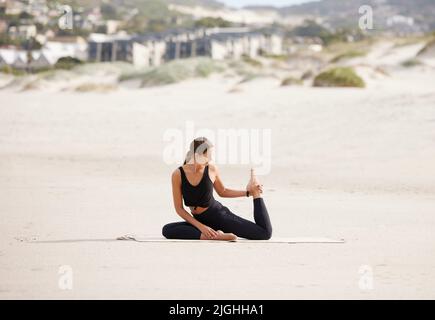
point(210, 220)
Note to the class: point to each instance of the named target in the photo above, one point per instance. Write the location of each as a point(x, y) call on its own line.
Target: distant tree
point(30, 44)
point(310, 29)
point(108, 11)
point(25, 16)
point(210, 22)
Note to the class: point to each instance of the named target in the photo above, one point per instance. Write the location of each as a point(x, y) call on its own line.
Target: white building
point(25, 31)
point(75, 47)
point(13, 58)
point(149, 53)
point(36, 59)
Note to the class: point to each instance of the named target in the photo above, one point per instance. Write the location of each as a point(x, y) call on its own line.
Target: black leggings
point(220, 217)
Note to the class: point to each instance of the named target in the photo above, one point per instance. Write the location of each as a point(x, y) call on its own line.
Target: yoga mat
point(139, 238)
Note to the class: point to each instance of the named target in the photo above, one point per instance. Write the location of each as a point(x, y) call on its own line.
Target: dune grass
point(411, 63)
point(291, 81)
point(339, 77)
point(95, 87)
point(429, 45)
point(175, 71)
point(348, 55)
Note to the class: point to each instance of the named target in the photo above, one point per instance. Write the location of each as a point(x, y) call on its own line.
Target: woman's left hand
point(259, 188)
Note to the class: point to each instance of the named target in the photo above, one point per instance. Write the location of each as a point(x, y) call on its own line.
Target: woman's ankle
point(256, 195)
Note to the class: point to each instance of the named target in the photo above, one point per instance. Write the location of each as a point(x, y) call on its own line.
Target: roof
point(11, 56)
point(101, 37)
point(8, 55)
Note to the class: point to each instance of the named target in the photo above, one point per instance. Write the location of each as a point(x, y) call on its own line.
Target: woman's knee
point(266, 234)
point(167, 231)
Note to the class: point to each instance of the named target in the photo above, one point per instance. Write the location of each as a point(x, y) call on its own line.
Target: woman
point(210, 220)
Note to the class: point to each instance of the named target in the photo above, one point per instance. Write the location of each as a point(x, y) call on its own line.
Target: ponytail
point(203, 144)
point(188, 157)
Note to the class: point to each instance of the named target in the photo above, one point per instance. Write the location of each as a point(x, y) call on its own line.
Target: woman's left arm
point(220, 188)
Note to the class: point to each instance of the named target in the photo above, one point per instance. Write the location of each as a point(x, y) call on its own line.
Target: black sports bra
point(200, 195)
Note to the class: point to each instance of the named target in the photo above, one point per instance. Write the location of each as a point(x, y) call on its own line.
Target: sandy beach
point(79, 169)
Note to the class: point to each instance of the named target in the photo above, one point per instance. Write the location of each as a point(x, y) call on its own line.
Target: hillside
point(339, 13)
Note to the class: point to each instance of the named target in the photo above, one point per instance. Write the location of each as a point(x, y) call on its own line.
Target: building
point(108, 48)
point(148, 51)
point(155, 49)
point(145, 50)
point(14, 58)
point(14, 7)
point(35, 59)
point(224, 43)
point(23, 31)
point(39, 10)
point(68, 46)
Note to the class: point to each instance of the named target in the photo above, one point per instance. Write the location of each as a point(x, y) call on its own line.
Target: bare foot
point(221, 236)
point(254, 186)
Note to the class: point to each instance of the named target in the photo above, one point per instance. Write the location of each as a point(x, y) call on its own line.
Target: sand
point(78, 170)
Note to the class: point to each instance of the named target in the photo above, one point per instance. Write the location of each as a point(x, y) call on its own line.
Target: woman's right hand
point(208, 232)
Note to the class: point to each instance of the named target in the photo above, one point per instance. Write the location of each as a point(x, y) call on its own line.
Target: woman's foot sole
point(222, 236)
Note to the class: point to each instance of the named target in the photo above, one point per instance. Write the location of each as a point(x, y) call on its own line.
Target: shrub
point(252, 62)
point(9, 70)
point(430, 44)
point(67, 63)
point(307, 75)
point(339, 77)
point(411, 63)
point(290, 81)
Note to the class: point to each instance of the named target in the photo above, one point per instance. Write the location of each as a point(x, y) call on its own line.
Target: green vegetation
point(339, 77)
point(252, 62)
point(108, 11)
point(311, 29)
point(411, 63)
point(67, 63)
point(210, 22)
point(429, 45)
point(307, 75)
point(12, 71)
point(175, 71)
point(348, 55)
point(92, 87)
point(290, 81)
point(278, 57)
point(6, 40)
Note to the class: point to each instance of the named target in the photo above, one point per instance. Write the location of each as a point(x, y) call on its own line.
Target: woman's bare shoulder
point(176, 174)
point(213, 168)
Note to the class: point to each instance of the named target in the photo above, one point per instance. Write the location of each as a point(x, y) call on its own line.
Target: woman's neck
point(196, 165)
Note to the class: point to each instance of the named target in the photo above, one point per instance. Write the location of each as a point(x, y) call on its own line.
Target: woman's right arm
point(178, 205)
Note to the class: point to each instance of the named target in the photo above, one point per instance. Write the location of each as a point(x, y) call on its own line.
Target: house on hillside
point(109, 48)
point(21, 59)
point(147, 50)
point(3, 63)
point(68, 46)
point(225, 43)
point(23, 31)
point(42, 59)
point(154, 49)
point(14, 7)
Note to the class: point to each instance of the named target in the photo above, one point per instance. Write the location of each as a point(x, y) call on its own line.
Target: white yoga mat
point(139, 238)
